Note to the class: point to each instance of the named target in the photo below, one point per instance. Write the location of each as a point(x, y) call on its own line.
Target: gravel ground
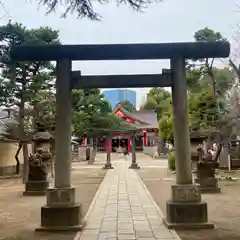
point(223, 208)
point(20, 215)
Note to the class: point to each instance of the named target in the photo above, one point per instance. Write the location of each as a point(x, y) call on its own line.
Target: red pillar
point(106, 145)
point(110, 144)
point(129, 145)
point(84, 140)
point(145, 139)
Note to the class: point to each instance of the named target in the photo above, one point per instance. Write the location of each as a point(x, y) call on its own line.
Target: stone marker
point(134, 164)
point(108, 164)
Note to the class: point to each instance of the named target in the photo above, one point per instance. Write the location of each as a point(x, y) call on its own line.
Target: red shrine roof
point(146, 119)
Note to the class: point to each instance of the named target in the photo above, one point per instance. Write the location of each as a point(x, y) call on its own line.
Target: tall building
point(117, 95)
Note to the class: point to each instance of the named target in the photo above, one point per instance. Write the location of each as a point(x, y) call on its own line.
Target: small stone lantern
point(40, 164)
point(206, 173)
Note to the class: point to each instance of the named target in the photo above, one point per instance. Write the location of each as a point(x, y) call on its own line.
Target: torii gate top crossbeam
point(187, 50)
point(120, 81)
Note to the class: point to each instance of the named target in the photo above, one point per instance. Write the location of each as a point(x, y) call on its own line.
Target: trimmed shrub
point(171, 161)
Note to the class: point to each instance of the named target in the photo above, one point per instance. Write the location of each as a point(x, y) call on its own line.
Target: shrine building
point(144, 120)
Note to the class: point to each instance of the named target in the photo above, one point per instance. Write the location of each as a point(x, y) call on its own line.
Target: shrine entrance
point(185, 209)
point(119, 142)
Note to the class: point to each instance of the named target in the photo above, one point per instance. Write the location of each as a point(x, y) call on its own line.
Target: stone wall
point(151, 151)
point(8, 149)
point(194, 154)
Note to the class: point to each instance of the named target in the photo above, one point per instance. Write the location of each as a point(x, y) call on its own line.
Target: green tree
point(206, 65)
point(223, 78)
point(92, 115)
point(158, 99)
point(44, 111)
point(21, 85)
point(202, 109)
point(166, 128)
point(207, 88)
point(89, 106)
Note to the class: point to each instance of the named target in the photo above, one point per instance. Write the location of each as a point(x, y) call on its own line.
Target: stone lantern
point(44, 140)
point(40, 164)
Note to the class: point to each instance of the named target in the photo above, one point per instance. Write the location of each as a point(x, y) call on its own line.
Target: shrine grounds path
point(20, 215)
point(124, 209)
point(223, 208)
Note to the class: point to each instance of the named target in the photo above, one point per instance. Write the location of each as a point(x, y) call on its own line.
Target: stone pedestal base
point(61, 218)
point(208, 185)
point(187, 216)
point(61, 213)
point(186, 210)
point(35, 188)
point(108, 166)
point(134, 166)
point(90, 162)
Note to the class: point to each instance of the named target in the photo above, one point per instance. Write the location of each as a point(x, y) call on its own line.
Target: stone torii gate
point(185, 208)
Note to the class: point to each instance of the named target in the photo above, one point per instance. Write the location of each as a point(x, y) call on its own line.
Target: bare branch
point(85, 9)
point(235, 68)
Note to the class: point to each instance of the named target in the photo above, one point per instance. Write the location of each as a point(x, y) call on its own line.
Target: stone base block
point(61, 218)
point(35, 188)
point(134, 166)
point(108, 166)
point(187, 226)
point(188, 215)
point(60, 196)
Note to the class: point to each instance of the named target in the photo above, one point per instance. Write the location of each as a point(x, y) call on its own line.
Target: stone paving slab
point(123, 210)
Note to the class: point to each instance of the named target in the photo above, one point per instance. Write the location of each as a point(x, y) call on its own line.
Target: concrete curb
point(78, 234)
point(173, 232)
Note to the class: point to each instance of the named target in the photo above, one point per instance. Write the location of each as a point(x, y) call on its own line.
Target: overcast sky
point(170, 21)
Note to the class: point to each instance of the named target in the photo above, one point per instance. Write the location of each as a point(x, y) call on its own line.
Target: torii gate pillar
point(185, 208)
point(61, 213)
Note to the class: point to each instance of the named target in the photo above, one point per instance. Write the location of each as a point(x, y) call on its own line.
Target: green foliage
point(207, 34)
point(202, 109)
point(208, 87)
point(20, 87)
point(207, 90)
point(92, 114)
point(11, 130)
point(193, 77)
point(44, 111)
point(166, 128)
point(159, 100)
point(150, 104)
point(223, 78)
point(172, 161)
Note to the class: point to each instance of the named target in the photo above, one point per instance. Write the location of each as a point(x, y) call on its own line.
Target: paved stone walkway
point(123, 210)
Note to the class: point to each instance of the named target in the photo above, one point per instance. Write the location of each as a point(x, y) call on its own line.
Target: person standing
point(125, 153)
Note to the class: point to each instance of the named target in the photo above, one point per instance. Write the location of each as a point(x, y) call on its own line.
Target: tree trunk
point(94, 151)
point(95, 141)
point(22, 136)
point(235, 68)
point(217, 155)
point(17, 159)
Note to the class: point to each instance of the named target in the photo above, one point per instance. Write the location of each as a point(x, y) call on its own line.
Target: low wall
point(151, 151)
point(8, 149)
